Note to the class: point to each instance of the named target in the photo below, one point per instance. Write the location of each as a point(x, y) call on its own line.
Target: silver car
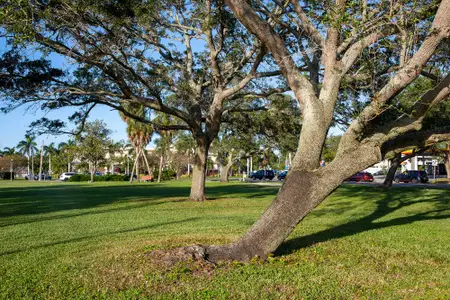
point(66, 176)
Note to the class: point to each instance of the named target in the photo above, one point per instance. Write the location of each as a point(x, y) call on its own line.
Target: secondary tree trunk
point(137, 165)
point(189, 165)
point(225, 173)
point(134, 166)
point(28, 167)
point(149, 170)
point(161, 161)
point(199, 174)
point(32, 167)
point(395, 163)
point(40, 163)
point(50, 165)
point(92, 172)
point(447, 164)
point(226, 169)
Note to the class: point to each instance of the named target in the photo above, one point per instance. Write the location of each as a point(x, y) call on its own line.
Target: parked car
point(413, 176)
point(36, 177)
point(262, 174)
point(66, 176)
point(43, 177)
point(97, 173)
point(282, 175)
point(361, 176)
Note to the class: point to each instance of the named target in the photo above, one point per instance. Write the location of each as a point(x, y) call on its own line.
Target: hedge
point(166, 174)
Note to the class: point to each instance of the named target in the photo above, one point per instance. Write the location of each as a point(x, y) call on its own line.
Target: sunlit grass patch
point(91, 241)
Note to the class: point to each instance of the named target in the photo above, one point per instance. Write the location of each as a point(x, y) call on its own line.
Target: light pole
point(11, 169)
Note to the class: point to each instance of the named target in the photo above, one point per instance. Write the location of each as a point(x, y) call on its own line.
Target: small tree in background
point(93, 144)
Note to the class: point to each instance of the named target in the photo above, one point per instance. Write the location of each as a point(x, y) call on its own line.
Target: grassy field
point(66, 240)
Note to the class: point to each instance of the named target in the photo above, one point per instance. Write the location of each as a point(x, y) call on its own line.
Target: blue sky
point(13, 126)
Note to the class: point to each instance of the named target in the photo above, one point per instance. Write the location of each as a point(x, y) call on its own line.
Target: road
point(378, 180)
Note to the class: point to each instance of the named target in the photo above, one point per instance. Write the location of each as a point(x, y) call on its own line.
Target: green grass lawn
point(66, 240)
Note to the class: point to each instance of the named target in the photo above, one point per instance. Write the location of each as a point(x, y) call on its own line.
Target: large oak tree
point(377, 48)
point(189, 59)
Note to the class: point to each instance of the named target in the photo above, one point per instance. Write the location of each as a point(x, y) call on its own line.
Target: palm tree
point(28, 147)
point(9, 151)
point(139, 134)
point(49, 151)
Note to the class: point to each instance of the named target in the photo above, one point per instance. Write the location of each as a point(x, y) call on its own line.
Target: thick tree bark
point(199, 174)
point(395, 163)
point(298, 196)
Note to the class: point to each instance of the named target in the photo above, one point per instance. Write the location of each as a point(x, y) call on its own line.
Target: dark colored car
point(43, 177)
point(361, 176)
point(262, 174)
point(36, 177)
point(282, 175)
point(412, 176)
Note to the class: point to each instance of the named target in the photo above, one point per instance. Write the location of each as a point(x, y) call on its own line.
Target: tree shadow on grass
point(31, 201)
point(393, 200)
point(94, 236)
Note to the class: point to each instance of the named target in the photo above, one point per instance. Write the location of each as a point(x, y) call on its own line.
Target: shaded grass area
point(65, 240)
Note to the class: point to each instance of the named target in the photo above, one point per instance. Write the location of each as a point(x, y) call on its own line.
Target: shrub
point(7, 175)
point(166, 174)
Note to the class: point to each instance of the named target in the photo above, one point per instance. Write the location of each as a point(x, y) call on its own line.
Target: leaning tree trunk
point(301, 193)
point(395, 163)
point(199, 174)
point(134, 165)
point(149, 170)
point(137, 166)
point(226, 169)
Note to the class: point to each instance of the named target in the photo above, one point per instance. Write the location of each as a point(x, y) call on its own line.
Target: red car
point(361, 176)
